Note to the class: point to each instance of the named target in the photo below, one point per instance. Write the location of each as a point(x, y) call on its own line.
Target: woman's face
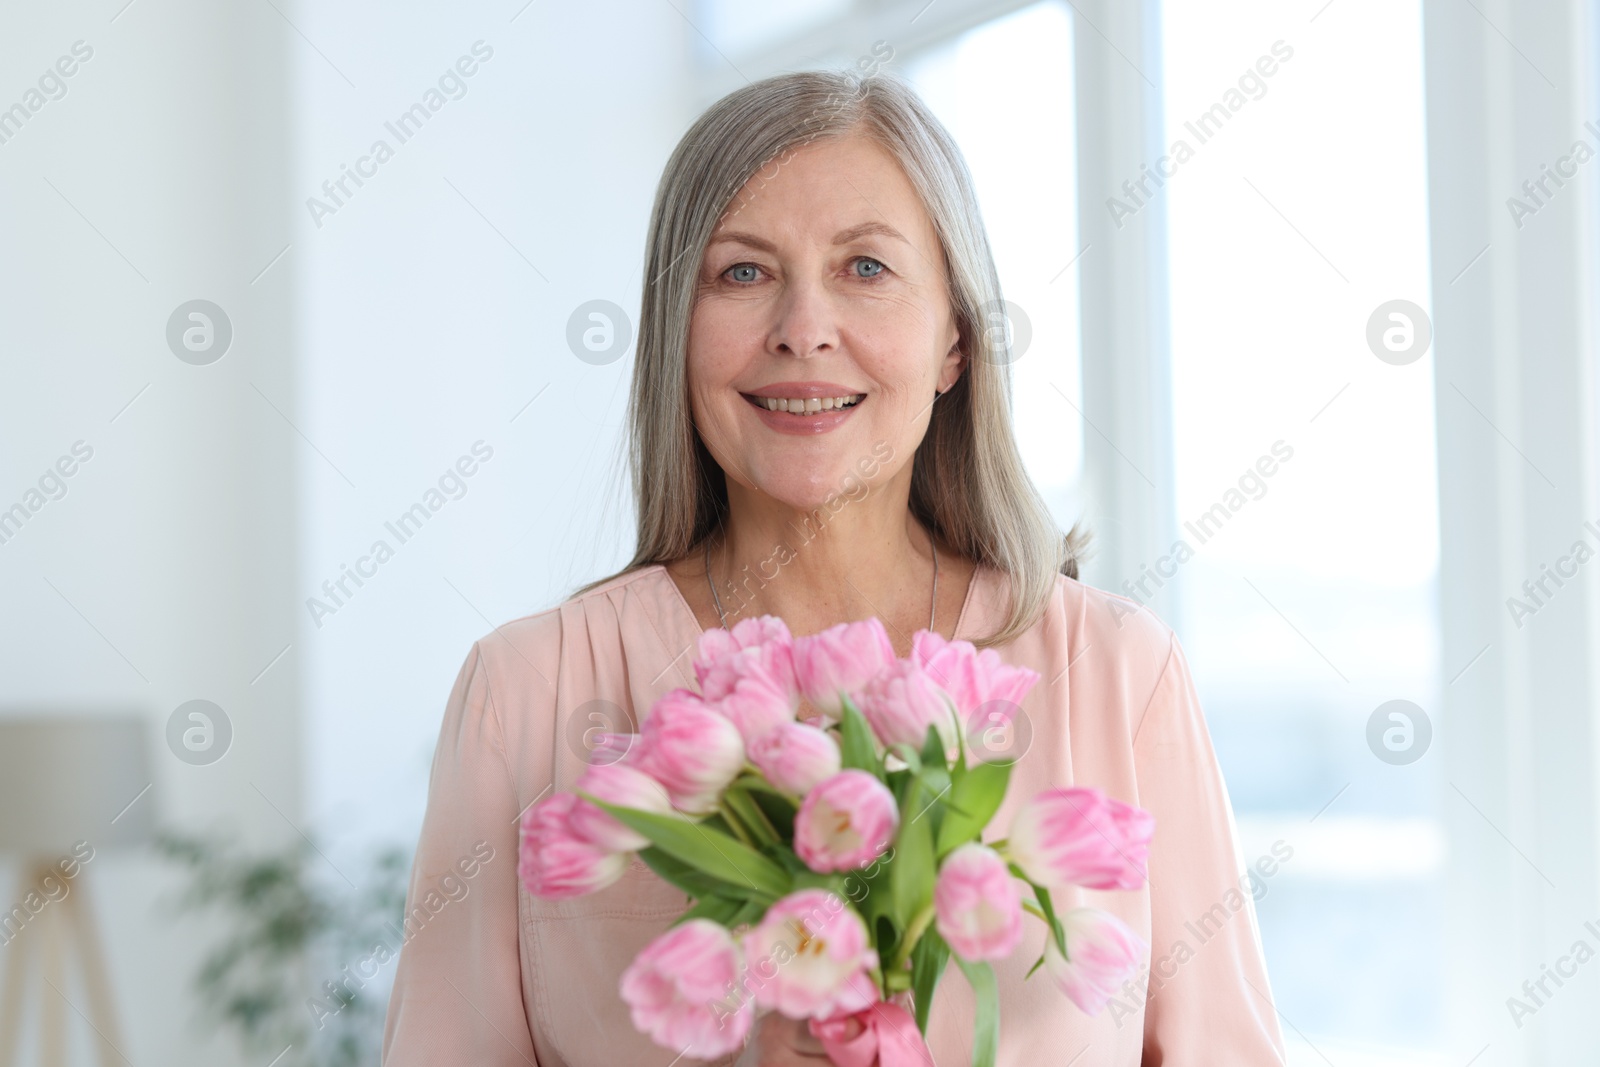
point(824, 281)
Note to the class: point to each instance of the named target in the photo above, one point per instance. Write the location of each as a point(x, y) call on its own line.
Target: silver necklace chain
point(722, 616)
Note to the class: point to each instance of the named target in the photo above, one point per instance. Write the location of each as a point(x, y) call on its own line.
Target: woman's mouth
point(809, 409)
point(805, 406)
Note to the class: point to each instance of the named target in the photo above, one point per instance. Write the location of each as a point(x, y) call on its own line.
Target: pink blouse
point(492, 976)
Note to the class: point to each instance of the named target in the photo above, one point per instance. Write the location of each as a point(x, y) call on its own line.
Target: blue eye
point(743, 267)
point(878, 267)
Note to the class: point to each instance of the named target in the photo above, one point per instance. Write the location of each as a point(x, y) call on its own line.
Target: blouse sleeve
point(1209, 1001)
point(458, 985)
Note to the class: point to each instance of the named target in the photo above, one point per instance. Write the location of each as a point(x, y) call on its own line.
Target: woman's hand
point(778, 1041)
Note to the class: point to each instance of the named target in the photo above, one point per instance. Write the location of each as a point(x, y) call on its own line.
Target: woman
point(820, 431)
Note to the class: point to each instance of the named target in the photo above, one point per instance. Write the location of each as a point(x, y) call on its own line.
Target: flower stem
point(733, 824)
point(919, 923)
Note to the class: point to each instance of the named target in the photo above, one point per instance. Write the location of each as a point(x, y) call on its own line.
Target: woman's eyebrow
point(842, 237)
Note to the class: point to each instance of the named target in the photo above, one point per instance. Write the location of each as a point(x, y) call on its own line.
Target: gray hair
point(968, 487)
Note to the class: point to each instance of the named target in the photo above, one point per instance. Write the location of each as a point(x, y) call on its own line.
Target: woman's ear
point(955, 361)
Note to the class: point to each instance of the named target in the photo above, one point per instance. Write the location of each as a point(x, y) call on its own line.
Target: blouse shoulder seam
point(1161, 678)
point(494, 716)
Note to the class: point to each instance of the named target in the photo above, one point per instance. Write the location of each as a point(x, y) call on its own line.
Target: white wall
point(435, 306)
point(164, 573)
point(365, 359)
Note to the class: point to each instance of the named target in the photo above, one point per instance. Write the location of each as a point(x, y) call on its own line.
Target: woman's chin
point(812, 496)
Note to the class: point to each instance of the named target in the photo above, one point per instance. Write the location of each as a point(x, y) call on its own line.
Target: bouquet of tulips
point(833, 865)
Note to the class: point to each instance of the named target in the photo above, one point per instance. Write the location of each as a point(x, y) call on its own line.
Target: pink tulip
point(610, 747)
point(976, 905)
point(795, 757)
point(616, 783)
point(1102, 954)
point(677, 991)
point(902, 701)
point(845, 822)
point(809, 956)
point(554, 861)
point(755, 705)
point(1081, 837)
point(972, 678)
point(839, 661)
point(760, 646)
point(691, 749)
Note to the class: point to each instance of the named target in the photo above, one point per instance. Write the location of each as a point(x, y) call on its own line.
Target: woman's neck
point(848, 559)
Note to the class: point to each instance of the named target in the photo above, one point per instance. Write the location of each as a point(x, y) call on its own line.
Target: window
point(1005, 92)
point(1310, 599)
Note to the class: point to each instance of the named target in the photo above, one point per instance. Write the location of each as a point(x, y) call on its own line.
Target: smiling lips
point(804, 407)
point(807, 406)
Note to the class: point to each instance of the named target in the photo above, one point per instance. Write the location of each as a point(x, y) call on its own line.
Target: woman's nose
point(806, 320)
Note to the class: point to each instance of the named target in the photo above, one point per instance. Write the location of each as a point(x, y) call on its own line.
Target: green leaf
point(747, 812)
point(691, 880)
point(718, 909)
point(1036, 965)
point(1050, 917)
point(858, 749)
point(868, 890)
point(911, 874)
point(708, 850)
point(973, 801)
point(986, 1027)
point(933, 750)
point(749, 912)
point(898, 782)
point(792, 863)
point(933, 798)
point(886, 935)
point(778, 808)
point(927, 964)
point(809, 879)
point(908, 756)
point(936, 780)
point(958, 769)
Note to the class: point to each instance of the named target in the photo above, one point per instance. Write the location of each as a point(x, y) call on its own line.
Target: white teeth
point(809, 406)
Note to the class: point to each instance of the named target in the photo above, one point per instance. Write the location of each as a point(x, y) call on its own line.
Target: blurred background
point(1301, 300)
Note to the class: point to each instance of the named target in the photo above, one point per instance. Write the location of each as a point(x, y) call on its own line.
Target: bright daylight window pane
point(1004, 90)
point(1311, 601)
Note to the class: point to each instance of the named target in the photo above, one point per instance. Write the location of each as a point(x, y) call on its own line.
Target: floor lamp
point(70, 788)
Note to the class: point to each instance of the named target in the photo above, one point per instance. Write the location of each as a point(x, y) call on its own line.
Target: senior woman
point(820, 430)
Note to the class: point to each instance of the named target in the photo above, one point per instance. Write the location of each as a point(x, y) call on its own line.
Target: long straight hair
point(968, 486)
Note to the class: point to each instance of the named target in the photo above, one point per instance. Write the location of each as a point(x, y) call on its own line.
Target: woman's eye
point(743, 272)
point(874, 267)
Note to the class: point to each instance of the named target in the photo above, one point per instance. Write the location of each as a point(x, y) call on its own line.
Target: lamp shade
point(65, 779)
